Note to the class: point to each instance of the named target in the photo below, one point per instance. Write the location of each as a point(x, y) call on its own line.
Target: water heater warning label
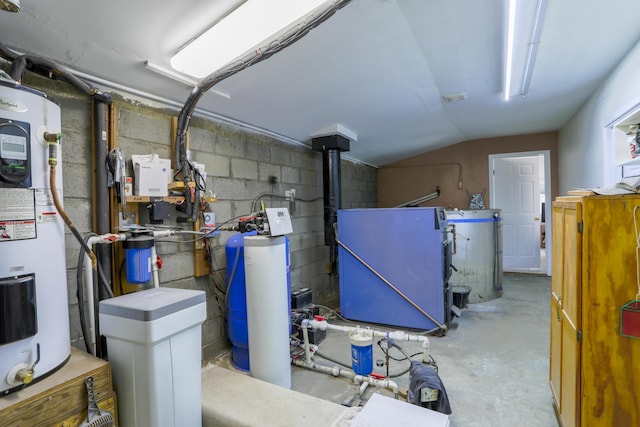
point(17, 214)
point(17, 230)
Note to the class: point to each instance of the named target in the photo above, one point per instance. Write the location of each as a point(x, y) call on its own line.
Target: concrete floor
point(494, 361)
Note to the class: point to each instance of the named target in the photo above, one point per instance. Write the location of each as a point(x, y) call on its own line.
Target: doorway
point(519, 185)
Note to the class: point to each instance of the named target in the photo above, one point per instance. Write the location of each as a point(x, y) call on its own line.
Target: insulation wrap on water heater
point(268, 309)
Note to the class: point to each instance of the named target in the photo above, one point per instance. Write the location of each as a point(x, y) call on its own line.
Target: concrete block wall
point(239, 164)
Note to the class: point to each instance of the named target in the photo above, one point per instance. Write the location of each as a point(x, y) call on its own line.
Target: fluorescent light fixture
point(534, 41)
point(170, 74)
point(511, 18)
point(244, 29)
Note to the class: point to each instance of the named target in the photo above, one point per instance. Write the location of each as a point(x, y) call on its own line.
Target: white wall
point(584, 160)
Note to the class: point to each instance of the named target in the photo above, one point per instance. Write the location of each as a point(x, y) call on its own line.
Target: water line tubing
point(391, 285)
point(53, 140)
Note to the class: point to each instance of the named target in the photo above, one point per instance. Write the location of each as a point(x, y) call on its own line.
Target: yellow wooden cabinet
point(594, 371)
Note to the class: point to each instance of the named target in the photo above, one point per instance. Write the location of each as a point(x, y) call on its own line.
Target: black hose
point(18, 65)
point(54, 68)
point(80, 297)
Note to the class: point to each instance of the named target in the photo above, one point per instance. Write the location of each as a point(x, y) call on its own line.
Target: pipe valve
point(24, 376)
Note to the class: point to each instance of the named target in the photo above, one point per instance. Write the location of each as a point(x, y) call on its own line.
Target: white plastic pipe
point(154, 267)
point(346, 373)
point(305, 337)
point(395, 335)
point(88, 277)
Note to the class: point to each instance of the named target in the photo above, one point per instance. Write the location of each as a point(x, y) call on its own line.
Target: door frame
point(546, 154)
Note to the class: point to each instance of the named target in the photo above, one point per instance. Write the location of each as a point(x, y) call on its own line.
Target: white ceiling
point(377, 67)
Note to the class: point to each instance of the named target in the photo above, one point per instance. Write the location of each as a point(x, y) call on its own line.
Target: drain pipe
point(358, 380)
point(100, 187)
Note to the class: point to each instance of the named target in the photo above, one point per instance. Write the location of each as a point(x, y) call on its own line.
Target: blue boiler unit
point(406, 246)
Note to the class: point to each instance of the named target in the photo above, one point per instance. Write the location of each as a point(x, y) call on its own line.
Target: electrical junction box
point(152, 175)
point(279, 221)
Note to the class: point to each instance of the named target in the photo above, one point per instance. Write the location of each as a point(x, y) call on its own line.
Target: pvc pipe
point(382, 383)
point(358, 380)
point(305, 336)
point(154, 266)
point(88, 282)
point(395, 335)
point(363, 388)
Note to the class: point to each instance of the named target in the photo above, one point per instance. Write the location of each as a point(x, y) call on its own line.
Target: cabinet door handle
point(558, 309)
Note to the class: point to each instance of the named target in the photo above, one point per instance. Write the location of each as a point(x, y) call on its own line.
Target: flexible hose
point(92, 256)
point(80, 298)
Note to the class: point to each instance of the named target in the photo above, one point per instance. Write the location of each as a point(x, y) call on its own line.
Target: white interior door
point(517, 193)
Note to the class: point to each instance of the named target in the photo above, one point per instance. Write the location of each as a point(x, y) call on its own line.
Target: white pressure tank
point(34, 313)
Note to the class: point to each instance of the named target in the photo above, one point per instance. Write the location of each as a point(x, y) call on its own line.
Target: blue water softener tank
point(138, 256)
point(237, 298)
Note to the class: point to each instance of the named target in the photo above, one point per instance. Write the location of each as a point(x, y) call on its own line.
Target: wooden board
point(61, 398)
point(611, 379)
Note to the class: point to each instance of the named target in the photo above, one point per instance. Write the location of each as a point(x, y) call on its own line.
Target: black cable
point(330, 359)
point(120, 270)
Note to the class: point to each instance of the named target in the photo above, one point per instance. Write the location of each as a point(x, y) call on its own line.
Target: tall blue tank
point(237, 298)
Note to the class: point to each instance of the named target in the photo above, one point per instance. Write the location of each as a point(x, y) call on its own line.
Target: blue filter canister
point(138, 258)
point(361, 351)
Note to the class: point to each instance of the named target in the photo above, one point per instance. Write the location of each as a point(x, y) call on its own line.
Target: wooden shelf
point(146, 199)
point(61, 398)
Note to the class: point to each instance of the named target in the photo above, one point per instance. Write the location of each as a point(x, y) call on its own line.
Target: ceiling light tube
point(170, 74)
point(244, 29)
point(532, 53)
point(508, 66)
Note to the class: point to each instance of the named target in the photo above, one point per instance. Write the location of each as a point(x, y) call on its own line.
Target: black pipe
point(17, 68)
point(331, 183)
point(331, 146)
point(101, 200)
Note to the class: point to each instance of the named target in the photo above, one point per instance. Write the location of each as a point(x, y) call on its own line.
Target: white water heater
point(34, 315)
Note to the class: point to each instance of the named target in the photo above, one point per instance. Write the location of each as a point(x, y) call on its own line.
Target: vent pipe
point(331, 146)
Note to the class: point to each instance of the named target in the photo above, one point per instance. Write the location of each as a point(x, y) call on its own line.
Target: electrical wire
point(258, 55)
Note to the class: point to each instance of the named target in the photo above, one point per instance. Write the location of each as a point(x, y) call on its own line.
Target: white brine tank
point(34, 316)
